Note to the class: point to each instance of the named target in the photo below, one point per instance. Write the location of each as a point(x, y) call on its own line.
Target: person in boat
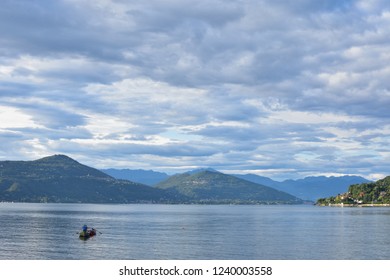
point(87, 231)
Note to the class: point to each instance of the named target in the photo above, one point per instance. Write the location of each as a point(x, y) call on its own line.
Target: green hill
point(367, 193)
point(216, 187)
point(59, 178)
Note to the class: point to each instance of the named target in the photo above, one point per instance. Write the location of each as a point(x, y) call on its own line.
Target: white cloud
point(13, 118)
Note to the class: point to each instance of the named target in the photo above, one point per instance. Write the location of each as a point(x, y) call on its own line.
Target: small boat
point(85, 234)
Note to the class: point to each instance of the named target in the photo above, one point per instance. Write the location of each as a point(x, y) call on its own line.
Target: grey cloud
point(57, 28)
point(124, 150)
point(263, 132)
point(12, 89)
point(155, 16)
point(53, 117)
point(249, 58)
point(26, 25)
point(11, 134)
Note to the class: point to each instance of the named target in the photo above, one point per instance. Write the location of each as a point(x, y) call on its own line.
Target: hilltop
point(59, 178)
point(359, 194)
point(215, 187)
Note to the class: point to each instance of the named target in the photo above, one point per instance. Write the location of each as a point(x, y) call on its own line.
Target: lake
point(193, 232)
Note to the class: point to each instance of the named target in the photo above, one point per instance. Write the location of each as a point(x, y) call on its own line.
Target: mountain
point(216, 187)
point(367, 193)
point(59, 178)
point(259, 180)
point(309, 188)
point(194, 171)
point(146, 177)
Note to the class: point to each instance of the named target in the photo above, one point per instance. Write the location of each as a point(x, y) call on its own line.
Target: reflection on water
point(50, 231)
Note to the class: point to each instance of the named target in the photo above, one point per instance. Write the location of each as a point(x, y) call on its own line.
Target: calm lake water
point(142, 232)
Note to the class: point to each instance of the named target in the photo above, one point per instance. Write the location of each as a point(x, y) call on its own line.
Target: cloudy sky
point(284, 89)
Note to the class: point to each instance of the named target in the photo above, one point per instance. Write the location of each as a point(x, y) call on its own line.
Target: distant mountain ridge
point(146, 177)
point(59, 178)
point(215, 187)
point(309, 188)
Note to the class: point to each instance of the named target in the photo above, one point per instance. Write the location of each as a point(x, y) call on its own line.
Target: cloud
point(283, 89)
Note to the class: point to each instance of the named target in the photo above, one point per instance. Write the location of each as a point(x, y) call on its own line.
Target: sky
point(283, 89)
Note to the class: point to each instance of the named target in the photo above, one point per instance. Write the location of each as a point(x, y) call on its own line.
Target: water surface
point(49, 231)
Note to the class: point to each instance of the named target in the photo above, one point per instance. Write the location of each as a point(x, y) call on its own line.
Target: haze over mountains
point(309, 188)
point(59, 178)
point(147, 177)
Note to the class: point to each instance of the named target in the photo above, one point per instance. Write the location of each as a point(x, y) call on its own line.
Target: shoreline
point(356, 205)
